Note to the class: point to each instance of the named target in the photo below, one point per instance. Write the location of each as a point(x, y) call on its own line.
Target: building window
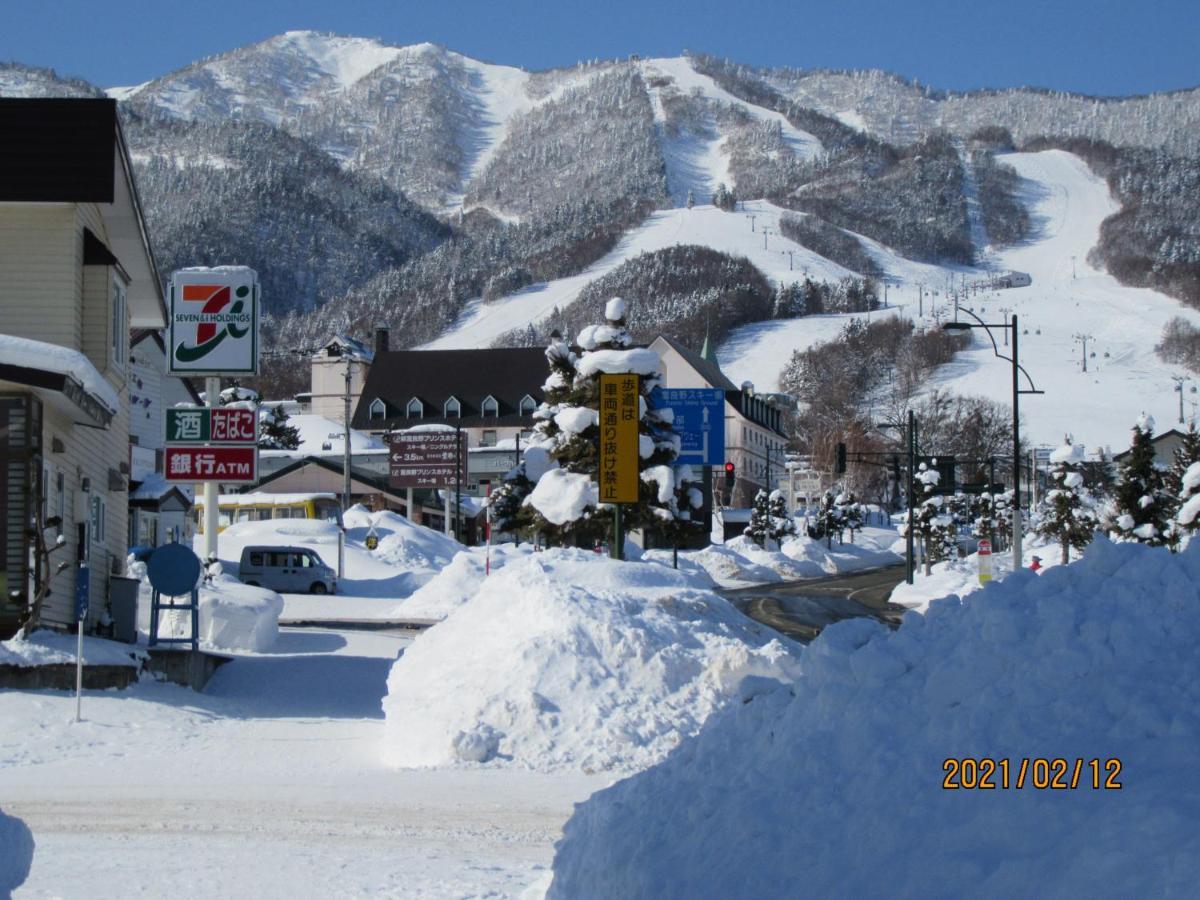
point(488, 439)
point(99, 515)
point(490, 407)
point(377, 409)
point(452, 409)
point(416, 409)
point(528, 405)
point(120, 324)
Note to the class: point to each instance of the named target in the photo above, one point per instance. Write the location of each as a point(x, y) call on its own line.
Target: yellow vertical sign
point(619, 438)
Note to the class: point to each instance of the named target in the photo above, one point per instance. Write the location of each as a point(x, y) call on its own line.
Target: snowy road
point(268, 784)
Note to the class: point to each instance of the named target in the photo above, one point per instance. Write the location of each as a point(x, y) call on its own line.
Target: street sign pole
point(212, 393)
point(82, 589)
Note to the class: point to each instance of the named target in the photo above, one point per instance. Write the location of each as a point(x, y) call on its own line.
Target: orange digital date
point(1040, 773)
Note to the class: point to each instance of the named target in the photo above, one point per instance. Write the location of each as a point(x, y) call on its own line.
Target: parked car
point(289, 570)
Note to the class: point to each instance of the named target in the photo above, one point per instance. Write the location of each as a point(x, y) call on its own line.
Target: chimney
point(381, 340)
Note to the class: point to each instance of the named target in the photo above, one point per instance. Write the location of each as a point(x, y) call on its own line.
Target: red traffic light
point(728, 468)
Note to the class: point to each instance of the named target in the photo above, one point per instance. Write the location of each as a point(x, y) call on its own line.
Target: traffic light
point(840, 463)
point(729, 475)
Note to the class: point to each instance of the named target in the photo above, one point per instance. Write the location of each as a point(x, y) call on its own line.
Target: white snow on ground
point(268, 784)
point(565, 660)
point(697, 163)
point(730, 232)
point(687, 80)
point(44, 648)
point(836, 782)
point(232, 616)
point(1067, 203)
point(758, 352)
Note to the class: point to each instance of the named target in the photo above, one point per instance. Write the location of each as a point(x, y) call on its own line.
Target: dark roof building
point(469, 388)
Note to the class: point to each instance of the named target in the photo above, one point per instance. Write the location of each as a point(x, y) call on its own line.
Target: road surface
point(800, 609)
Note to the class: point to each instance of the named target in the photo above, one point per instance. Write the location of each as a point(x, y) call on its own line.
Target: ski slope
point(1067, 202)
point(733, 233)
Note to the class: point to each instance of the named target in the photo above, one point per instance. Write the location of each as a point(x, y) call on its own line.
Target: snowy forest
point(391, 197)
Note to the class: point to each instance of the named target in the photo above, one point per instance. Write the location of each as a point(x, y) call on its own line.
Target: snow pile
point(565, 660)
point(16, 853)
point(1089, 661)
point(639, 361)
point(49, 648)
point(1190, 494)
point(563, 496)
point(401, 543)
point(233, 616)
point(457, 582)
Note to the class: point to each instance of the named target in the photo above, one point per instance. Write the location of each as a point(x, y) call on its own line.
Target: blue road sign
point(699, 421)
point(83, 583)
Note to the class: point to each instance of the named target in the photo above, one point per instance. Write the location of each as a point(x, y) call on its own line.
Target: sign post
point(212, 330)
point(427, 459)
point(82, 599)
point(985, 561)
point(618, 476)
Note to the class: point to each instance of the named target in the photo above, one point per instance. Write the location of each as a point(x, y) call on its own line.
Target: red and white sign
point(229, 465)
point(985, 547)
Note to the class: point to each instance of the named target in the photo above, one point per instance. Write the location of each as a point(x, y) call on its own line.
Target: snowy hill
point(549, 181)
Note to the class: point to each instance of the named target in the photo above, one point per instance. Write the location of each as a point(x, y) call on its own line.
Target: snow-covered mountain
point(460, 201)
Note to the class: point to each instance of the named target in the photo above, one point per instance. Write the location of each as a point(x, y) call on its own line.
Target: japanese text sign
point(220, 425)
point(619, 415)
point(230, 465)
point(426, 458)
point(699, 420)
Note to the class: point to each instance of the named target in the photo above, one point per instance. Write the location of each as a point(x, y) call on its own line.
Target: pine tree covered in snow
point(760, 520)
point(1175, 482)
point(769, 520)
point(929, 524)
point(1067, 512)
point(274, 431)
point(565, 503)
point(1187, 520)
point(1142, 506)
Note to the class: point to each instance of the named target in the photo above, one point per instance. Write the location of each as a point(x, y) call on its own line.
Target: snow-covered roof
point(31, 354)
point(154, 487)
point(347, 346)
point(261, 498)
point(316, 431)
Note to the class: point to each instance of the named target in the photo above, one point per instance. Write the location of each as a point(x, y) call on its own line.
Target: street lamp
point(1017, 391)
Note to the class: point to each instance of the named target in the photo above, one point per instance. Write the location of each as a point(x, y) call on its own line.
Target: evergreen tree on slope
point(1142, 506)
point(1067, 512)
point(565, 503)
point(275, 432)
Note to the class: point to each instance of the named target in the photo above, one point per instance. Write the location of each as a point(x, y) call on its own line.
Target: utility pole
point(766, 231)
point(921, 299)
point(752, 218)
point(1081, 338)
point(909, 567)
point(789, 253)
point(1180, 380)
point(1016, 399)
point(1005, 311)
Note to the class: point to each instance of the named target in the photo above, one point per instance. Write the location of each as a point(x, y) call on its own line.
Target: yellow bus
point(259, 507)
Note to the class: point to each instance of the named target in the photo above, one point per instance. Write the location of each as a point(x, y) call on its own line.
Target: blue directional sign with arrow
point(699, 421)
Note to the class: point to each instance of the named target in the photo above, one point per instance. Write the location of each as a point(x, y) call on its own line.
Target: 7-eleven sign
point(213, 322)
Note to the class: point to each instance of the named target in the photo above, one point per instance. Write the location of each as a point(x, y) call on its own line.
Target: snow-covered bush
point(1067, 512)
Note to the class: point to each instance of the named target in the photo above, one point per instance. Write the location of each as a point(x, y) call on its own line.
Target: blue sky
point(1092, 46)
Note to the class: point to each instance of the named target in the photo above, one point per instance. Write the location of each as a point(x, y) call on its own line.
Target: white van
point(288, 570)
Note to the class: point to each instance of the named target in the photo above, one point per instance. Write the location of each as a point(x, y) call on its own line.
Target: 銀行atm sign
point(228, 465)
point(213, 322)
